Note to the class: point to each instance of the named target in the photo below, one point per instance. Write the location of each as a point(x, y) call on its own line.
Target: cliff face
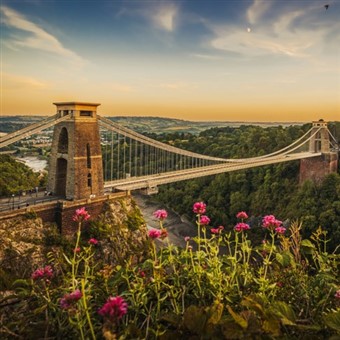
point(22, 247)
point(27, 243)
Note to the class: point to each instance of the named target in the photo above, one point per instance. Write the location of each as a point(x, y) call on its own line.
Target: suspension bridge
point(92, 154)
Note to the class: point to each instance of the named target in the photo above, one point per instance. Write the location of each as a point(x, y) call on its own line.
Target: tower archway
point(63, 141)
point(61, 177)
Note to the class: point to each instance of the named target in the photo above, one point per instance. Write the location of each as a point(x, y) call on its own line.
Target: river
point(36, 164)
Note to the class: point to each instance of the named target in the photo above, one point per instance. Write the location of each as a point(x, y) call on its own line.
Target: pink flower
point(141, 273)
point(93, 241)
point(204, 220)
point(241, 226)
point(215, 230)
point(43, 273)
point(199, 208)
point(160, 214)
point(187, 238)
point(81, 215)
point(76, 250)
point(154, 233)
point(69, 299)
point(114, 308)
point(270, 221)
point(280, 230)
point(242, 215)
point(337, 294)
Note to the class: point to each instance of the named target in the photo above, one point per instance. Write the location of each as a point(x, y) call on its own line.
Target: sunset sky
point(231, 60)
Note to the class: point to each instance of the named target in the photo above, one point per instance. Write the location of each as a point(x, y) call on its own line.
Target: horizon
point(249, 61)
point(190, 120)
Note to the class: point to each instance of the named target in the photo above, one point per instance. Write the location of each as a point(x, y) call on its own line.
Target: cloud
point(207, 56)
point(259, 43)
point(177, 86)
point(164, 16)
point(257, 10)
point(289, 32)
point(38, 38)
point(15, 82)
point(120, 87)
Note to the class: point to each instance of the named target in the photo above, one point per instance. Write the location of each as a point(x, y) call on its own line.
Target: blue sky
point(252, 60)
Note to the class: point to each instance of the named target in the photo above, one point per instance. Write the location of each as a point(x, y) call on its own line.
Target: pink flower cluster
point(270, 221)
point(280, 230)
point(43, 273)
point(199, 208)
point(154, 233)
point(337, 294)
point(81, 215)
point(114, 308)
point(204, 220)
point(161, 214)
point(241, 226)
point(242, 215)
point(70, 299)
point(93, 241)
point(217, 230)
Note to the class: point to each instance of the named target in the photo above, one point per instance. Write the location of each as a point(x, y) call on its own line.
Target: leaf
point(21, 283)
point(284, 258)
point(194, 319)
point(231, 330)
point(254, 303)
point(285, 312)
point(67, 259)
point(238, 318)
point(279, 258)
point(171, 318)
point(307, 246)
point(272, 326)
point(215, 313)
point(332, 320)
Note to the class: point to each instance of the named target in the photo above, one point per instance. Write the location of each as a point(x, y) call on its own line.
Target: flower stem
point(87, 310)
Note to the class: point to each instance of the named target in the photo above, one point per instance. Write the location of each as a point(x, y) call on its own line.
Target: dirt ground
point(177, 226)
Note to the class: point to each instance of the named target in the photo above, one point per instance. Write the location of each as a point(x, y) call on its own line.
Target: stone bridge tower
point(317, 168)
point(76, 169)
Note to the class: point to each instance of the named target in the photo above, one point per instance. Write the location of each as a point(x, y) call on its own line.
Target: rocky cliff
point(27, 243)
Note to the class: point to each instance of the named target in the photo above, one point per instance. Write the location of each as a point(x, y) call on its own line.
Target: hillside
point(143, 124)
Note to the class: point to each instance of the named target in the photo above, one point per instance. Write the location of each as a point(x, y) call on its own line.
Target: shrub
point(220, 286)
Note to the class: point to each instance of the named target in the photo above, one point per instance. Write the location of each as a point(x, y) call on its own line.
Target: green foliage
point(269, 189)
point(15, 176)
point(228, 288)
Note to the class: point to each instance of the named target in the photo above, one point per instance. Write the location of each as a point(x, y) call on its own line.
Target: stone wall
point(62, 212)
point(317, 168)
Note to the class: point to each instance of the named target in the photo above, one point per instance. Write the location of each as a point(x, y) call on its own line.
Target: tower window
point(63, 141)
point(88, 154)
point(86, 113)
point(89, 180)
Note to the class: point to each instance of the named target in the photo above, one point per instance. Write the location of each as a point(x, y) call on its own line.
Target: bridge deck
point(150, 181)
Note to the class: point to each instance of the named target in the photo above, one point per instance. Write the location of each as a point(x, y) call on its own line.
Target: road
point(23, 201)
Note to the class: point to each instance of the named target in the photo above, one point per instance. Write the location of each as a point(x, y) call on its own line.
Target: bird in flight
point(326, 6)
